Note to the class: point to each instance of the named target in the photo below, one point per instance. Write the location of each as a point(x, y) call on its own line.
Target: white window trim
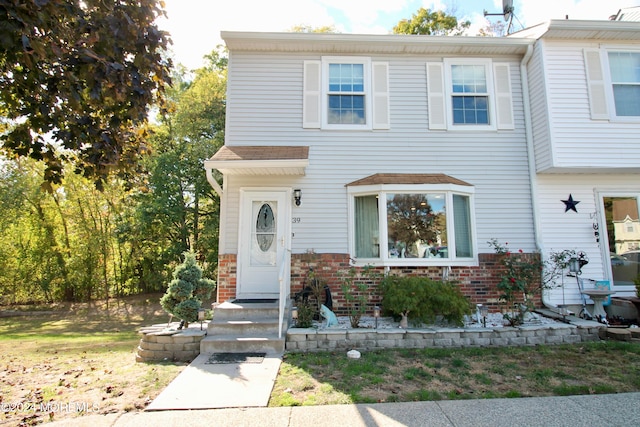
point(608, 83)
point(368, 96)
point(381, 190)
point(600, 194)
point(491, 94)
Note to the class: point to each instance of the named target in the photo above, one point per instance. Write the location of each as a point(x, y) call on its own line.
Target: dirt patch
point(78, 359)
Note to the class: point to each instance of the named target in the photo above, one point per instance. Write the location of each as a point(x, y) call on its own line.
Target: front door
point(263, 232)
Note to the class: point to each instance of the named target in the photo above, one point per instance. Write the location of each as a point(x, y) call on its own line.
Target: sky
point(195, 25)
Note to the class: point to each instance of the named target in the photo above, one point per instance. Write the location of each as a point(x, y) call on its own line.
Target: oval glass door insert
point(265, 227)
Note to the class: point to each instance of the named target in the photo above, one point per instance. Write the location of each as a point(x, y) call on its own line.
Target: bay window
point(413, 224)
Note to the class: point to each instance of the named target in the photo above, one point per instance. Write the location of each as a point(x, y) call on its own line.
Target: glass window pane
point(416, 226)
point(627, 100)
point(625, 76)
point(367, 227)
point(470, 110)
point(468, 79)
point(625, 67)
point(623, 241)
point(462, 226)
point(346, 109)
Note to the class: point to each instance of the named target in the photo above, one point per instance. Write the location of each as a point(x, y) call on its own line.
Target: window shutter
point(380, 95)
point(504, 105)
point(311, 106)
point(596, 84)
point(436, 96)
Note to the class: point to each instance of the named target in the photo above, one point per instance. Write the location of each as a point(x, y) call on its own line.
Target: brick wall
point(227, 275)
point(478, 282)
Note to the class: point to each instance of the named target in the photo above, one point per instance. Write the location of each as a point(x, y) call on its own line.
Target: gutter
point(533, 181)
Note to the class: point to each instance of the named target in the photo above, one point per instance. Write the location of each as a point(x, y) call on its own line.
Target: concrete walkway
point(230, 385)
point(619, 410)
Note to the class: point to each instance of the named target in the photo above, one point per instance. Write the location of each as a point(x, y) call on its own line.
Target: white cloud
point(195, 25)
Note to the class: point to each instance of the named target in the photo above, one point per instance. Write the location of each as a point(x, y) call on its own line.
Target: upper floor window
point(613, 81)
point(469, 94)
point(346, 93)
point(625, 81)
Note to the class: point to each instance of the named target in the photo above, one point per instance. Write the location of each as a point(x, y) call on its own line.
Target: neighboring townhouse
point(406, 153)
point(584, 90)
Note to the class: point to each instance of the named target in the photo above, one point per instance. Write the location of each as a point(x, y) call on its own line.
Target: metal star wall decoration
point(570, 204)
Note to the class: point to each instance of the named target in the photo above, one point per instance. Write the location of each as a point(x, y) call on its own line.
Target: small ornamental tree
point(187, 290)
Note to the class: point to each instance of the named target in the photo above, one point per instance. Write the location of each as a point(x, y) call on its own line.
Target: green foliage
point(424, 299)
point(524, 277)
point(75, 243)
point(81, 74)
point(436, 23)
point(306, 312)
point(187, 290)
point(310, 29)
point(356, 289)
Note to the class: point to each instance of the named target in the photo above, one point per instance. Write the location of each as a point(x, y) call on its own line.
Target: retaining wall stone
point(160, 343)
point(309, 339)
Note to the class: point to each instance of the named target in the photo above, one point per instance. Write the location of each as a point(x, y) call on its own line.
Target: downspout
point(533, 182)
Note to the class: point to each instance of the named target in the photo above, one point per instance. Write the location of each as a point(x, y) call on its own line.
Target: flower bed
point(388, 335)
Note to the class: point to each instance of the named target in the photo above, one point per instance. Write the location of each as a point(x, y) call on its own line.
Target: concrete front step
point(242, 327)
point(230, 310)
point(269, 344)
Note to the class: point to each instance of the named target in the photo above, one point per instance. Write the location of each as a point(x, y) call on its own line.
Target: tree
point(76, 80)
point(411, 220)
point(493, 29)
point(187, 290)
point(426, 22)
point(310, 29)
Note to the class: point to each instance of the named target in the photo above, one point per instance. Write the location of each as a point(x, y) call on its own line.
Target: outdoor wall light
point(577, 262)
point(574, 265)
point(484, 312)
point(297, 196)
point(376, 314)
point(201, 316)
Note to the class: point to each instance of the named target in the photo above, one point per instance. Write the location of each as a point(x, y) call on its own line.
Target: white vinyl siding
point(566, 138)
point(562, 230)
point(266, 107)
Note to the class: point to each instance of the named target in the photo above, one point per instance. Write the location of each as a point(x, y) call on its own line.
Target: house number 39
point(296, 220)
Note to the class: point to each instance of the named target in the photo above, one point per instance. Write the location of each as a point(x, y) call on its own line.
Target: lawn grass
point(78, 359)
point(84, 355)
point(406, 375)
